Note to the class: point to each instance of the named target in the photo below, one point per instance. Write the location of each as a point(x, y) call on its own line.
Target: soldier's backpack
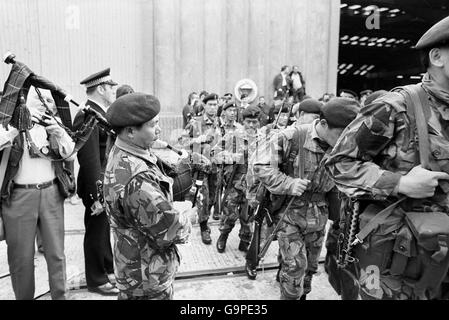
point(404, 255)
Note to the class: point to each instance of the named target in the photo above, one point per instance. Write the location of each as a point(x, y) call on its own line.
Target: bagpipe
point(14, 112)
point(13, 109)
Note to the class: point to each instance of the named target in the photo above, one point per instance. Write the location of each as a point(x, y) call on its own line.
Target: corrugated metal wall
point(172, 47)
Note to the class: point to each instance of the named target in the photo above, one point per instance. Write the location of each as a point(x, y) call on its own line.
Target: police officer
point(377, 160)
point(138, 198)
point(200, 136)
point(100, 90)
point(303, 220)
point(234, 154)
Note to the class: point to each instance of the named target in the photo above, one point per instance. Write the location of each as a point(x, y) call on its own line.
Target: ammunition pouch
point(410, 251)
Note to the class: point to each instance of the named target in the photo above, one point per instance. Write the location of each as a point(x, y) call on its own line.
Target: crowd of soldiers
point(245, 169)
point(377, 168)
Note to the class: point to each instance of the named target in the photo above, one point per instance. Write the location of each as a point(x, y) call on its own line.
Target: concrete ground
point(197, 275)
point(197, 259)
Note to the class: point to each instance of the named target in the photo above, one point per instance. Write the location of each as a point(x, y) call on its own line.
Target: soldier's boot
point(221, 242)
point(251, 271)
point(307, 285)
point(243, 246)
point(205, 233)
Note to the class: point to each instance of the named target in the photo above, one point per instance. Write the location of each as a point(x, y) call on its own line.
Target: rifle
point(301, 160)
point(252, 256)
point(270, 238)
point(218, 195)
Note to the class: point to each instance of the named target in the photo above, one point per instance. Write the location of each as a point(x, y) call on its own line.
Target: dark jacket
point(277, 83)
point(187, 114)
point(91, 157)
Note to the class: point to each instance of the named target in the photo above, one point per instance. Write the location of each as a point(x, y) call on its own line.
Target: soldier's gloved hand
point(420, 183)
point(299, 186)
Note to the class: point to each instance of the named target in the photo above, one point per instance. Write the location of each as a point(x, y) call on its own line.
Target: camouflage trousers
point(206, 197)
point(165, 295)
point(299, 252)
point(232, 211)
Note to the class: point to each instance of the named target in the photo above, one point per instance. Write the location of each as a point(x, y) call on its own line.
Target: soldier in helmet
point(377, 163)
point(138, 199)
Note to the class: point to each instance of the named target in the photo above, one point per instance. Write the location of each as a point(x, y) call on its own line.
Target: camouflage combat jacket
point(378, 147)
point(240, 145)
point(309, 211)
point(202, 125)
point(146, 227)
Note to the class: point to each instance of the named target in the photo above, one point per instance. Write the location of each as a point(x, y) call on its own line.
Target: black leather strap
point(38, 186)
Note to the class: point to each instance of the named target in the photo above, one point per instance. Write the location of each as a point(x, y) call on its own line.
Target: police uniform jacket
point(91, 156)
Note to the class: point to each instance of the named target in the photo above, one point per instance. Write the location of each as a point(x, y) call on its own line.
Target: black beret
point(251, 112)
point(101, 77)
point(122, 90)
point(366, 92)
point(133, 109)
point(308, 106)
point(229, 105)
point(339, 112)
point(352, 93)
point(211, 96)
point(373, 96)
point(285, 108)
point(436, 35)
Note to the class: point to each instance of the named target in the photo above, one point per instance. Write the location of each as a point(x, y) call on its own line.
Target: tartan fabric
point(14, 85)
point(19, 81)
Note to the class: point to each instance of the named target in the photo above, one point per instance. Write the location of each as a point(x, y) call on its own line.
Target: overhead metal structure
point(377, 39)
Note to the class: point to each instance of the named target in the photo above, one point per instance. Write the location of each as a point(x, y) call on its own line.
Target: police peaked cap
point(101, 77)
point(437, 35)
point(251, 112)
point(211, 96)
point(133, 109)
point(339, 112)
